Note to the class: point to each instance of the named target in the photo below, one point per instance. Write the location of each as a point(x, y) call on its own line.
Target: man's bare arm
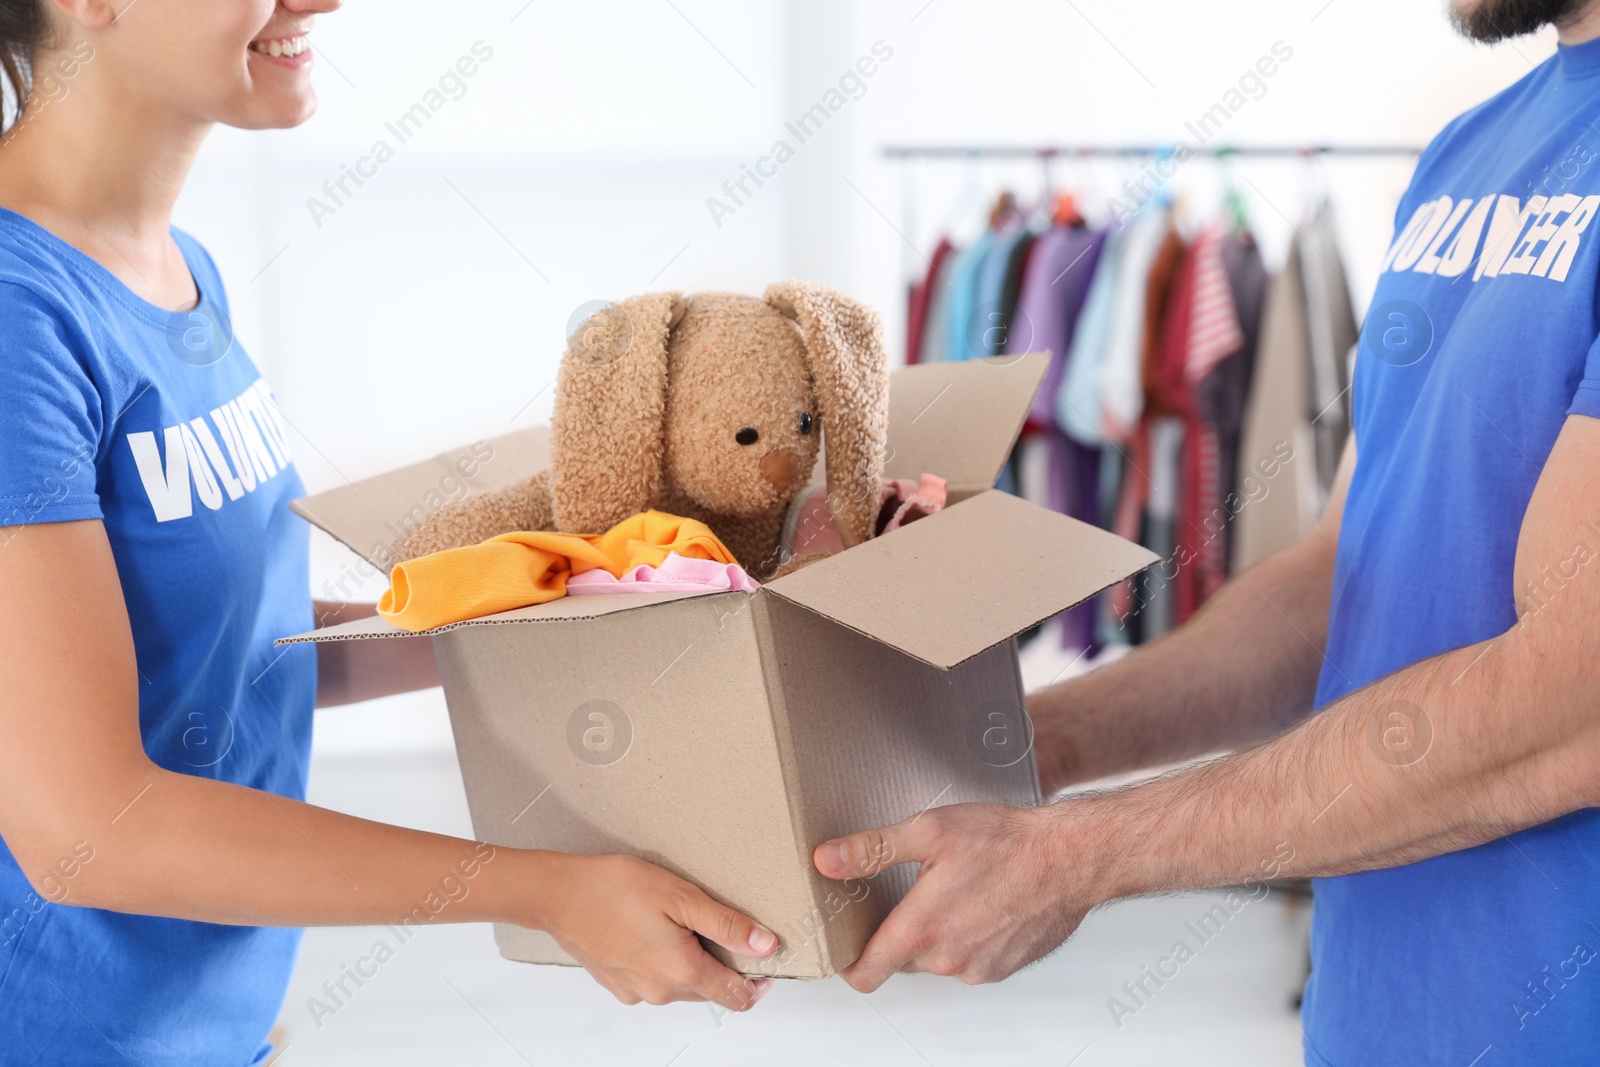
point(1244, 668)
point(1514, 741)
point(1508, 736)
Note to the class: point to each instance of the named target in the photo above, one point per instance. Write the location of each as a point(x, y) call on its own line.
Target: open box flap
point(959, 419)
point(964, 579)
point(569, 607)
point(370, 515)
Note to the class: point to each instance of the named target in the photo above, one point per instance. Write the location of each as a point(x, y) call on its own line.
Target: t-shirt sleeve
point(51, 417)
point(1586, 401)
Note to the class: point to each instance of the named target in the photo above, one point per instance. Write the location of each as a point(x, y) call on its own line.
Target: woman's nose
point(778, 468)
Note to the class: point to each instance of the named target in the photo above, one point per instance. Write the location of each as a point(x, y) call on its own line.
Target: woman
point(153, 744)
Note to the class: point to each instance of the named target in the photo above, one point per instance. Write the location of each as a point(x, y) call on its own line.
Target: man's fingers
point(889, 950)
point(732, 930)
point(864, 854)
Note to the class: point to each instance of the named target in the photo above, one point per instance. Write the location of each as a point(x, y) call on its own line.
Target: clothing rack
point(1155, 413)
point(1049, 153)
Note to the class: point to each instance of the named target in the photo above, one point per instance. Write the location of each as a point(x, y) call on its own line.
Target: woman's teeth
point(280, 46)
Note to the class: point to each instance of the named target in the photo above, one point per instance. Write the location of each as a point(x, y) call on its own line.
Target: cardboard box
point(724, 735)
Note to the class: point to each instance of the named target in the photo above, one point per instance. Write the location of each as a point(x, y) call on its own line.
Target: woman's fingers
point(632, 925)
point(714, 982)
point(735, 932)
point(723, 925)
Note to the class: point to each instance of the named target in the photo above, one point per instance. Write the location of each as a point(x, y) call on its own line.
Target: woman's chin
point(273, 111)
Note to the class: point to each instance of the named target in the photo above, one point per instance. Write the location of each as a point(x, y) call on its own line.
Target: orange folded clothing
point(515, 570)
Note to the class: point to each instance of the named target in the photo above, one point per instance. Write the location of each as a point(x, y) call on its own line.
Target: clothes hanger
point(1058, 205)
point(1313, 183)
point(1324, 186)
point(1041, 213)
point(1175, 202)
point(1005, 209)
point(1163, 193)
point(1088, 182)
point(1064, 212)
point(968, 197)
point(1234, 205)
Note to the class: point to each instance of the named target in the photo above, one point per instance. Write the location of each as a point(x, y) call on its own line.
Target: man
point(1444, 619)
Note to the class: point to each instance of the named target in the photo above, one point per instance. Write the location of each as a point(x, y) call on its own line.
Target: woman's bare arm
point(75, 782)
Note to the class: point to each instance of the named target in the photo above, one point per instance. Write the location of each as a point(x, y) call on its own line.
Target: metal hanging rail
point(1053, 153)
point(1138, 150)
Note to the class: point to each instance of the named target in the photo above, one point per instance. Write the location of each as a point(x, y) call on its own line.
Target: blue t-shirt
point(157, 424)
point(1481, 340)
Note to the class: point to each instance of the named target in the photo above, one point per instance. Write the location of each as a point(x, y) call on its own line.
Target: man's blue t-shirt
point(157, 424)
point(1480, 341)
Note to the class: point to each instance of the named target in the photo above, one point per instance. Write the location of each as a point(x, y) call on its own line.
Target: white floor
point(447, 997)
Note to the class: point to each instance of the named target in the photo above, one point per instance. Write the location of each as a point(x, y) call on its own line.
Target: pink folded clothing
point(677, 574)
point(906, 501)
point(903, 501)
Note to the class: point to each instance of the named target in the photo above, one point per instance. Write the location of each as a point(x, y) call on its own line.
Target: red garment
point(1158, 292)
point(1215, 333)
point(1214, 329)
point(1192, 317)
point(1166, 383)
point(1171, 384)
point(1130, 510)
point(921, 295)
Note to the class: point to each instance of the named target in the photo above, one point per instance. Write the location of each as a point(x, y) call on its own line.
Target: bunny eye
point(747, 436)
point(805, 423)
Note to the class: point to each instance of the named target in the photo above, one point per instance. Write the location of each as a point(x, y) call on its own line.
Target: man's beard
point(1498, 20)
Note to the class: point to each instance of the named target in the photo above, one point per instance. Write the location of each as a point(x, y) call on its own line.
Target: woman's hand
point(632, 925)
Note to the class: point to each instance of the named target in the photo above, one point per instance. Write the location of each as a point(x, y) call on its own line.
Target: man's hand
point(993, 894)
point(1000, 887)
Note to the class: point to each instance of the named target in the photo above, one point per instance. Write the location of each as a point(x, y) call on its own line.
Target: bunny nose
point(778, 468)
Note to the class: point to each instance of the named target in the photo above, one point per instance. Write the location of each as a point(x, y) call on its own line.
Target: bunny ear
point(607, 442)
point(850, 370)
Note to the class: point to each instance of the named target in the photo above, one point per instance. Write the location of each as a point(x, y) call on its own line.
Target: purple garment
point(1057, 278)
point(1054, 284)
point(1075, 485)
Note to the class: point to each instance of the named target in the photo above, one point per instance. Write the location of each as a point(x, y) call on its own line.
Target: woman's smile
point(292, 51)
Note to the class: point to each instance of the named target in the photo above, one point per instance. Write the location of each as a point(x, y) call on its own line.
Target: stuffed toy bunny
point(710, 406)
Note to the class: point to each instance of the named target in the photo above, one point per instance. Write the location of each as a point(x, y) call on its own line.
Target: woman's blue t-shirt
point(159, 425)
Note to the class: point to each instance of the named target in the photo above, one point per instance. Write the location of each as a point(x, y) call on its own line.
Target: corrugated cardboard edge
point(1022, 697)
point(977, 652)
point(995, 394)
point(611, 604)
point(906, 559)
point(778, 707)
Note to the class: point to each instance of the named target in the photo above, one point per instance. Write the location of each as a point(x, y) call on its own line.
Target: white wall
point(430, 307)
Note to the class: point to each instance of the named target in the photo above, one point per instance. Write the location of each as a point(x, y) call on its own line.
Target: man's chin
point(1489, 21)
